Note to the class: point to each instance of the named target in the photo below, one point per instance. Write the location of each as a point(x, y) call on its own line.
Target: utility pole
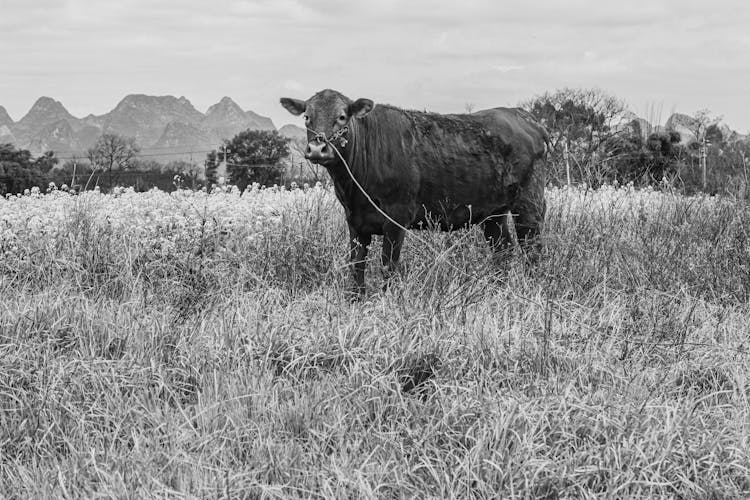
point(221, 168)
point(192, 170)
point(567, 161)
point(703, 161)
point(703, 154)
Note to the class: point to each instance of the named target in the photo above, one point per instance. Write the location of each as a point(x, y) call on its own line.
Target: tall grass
point(193, 345)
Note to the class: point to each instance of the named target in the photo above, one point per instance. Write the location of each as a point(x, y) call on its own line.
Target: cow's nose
point(318, 151)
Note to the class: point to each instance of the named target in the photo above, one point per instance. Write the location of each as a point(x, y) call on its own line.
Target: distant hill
point(5, 118)
point(686, 126)
point(165, 127)
point(293, 132)
point(226, 118)
point(179, 137)
point(44, 112)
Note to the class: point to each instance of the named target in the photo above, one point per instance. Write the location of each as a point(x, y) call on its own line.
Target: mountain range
point(165, 127)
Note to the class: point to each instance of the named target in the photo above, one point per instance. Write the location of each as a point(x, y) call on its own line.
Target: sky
point(659, 56)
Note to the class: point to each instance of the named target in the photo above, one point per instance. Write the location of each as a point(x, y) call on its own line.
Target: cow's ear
point(294, 106)
point(360, 107)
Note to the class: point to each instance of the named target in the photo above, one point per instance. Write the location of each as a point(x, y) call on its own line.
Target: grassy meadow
point(190, 345)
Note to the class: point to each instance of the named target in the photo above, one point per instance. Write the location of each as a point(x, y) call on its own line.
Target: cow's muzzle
point(318, 151)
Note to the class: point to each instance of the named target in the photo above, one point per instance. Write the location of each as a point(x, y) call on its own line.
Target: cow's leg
point(529, 222)
point(497, 233)
point(529, 208)
point(393, 239)
point(359, 244)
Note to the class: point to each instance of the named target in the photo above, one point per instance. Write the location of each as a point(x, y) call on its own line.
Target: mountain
point(145, 117)
point(183, 135)
point(58, 136)
point(45, 111)
point(264, 123)
point(5, 119)
point(226, 119)
point(720, 131)
point(62, 138)
point(180, 137)
point(684, 125)
point(293, 132)
point(160, 124)
point(6, 136)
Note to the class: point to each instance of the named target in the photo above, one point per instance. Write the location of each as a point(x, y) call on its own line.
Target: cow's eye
point(307, 118)
point(342, 118)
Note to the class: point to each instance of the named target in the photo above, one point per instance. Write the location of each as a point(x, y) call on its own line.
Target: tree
point(113, 151)
point(580, 122)
point(190, 173)
point(45, 162)
point(631, 157)
point(145, 165)
point(19, 170)
point(211, 166)
point(71, 172)
point(253, 156)
point(183, 167)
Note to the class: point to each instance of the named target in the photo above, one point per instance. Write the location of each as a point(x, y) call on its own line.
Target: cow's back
point(526, 138)
point(477, 160)
point(455, 168)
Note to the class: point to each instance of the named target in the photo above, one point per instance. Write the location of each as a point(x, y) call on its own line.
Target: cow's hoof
point(356, 295)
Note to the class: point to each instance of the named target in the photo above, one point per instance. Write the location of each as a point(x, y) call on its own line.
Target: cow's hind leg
point(357, 259)
point(529, 221)
point(497, 233)
point(529, 209)
point(393, 240)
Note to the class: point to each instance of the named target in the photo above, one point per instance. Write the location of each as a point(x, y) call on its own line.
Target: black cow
point(420, 168)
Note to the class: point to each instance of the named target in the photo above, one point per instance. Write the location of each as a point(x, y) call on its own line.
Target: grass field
point(202, 346)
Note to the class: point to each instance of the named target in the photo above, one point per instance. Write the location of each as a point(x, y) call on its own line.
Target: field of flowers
point(194, 345)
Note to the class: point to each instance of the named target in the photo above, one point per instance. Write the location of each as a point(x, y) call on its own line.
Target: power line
point(229, 164)
point(139, 155)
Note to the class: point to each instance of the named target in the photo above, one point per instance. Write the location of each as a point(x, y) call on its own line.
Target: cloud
point(293, 85)
point(507, 68)
point(422, 53)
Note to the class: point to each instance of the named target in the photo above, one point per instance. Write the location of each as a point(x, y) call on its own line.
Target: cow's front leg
point(359, 244)
point(393, 239)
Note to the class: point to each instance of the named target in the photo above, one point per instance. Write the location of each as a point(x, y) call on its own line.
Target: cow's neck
point(340, 175)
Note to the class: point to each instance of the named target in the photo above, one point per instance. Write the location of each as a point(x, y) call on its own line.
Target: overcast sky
point(658, 55)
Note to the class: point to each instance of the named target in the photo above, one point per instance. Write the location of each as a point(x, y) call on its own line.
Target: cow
point(424, 169)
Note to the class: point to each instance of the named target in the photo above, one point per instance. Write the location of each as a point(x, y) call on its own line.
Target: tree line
point(251, 156)
point(594, 139)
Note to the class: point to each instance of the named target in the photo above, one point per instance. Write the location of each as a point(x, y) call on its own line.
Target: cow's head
point(326, 114)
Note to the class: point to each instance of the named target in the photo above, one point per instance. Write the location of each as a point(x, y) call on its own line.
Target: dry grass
point(221, 360)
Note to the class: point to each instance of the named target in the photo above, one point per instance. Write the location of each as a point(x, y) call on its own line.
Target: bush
point(19, 170)
point(254, 155)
